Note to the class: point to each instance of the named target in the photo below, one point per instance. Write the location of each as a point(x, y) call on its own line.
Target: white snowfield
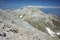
point(14, 25)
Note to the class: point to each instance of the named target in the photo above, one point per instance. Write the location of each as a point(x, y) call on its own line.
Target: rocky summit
point(28, 23)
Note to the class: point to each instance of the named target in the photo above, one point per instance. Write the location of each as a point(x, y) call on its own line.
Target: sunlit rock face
point(28, 23)
point(39, 19)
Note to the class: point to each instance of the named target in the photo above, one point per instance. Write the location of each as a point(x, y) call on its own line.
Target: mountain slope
point(21, 24)
point(39, 19)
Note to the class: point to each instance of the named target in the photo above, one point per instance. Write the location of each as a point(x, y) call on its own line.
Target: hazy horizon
point(15, 4)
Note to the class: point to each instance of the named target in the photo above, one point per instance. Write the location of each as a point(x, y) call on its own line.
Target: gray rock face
point(48, 23)
point(22, 24)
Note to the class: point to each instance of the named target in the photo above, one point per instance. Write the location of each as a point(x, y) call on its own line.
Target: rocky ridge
point(27, 24)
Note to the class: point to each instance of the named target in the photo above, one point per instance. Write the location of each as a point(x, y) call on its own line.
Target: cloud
point(44, 6)
point(49, 7)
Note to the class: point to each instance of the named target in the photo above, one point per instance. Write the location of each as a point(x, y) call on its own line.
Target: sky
point(14, 4)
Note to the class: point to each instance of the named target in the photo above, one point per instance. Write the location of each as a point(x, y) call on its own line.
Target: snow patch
point(50, 32)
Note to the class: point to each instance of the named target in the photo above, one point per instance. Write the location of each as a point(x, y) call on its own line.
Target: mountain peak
point(29, 23)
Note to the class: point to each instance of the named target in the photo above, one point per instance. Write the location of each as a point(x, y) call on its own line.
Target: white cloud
point(45, 6)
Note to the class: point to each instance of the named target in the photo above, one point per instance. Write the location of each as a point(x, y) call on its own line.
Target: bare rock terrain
point(27, 24)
